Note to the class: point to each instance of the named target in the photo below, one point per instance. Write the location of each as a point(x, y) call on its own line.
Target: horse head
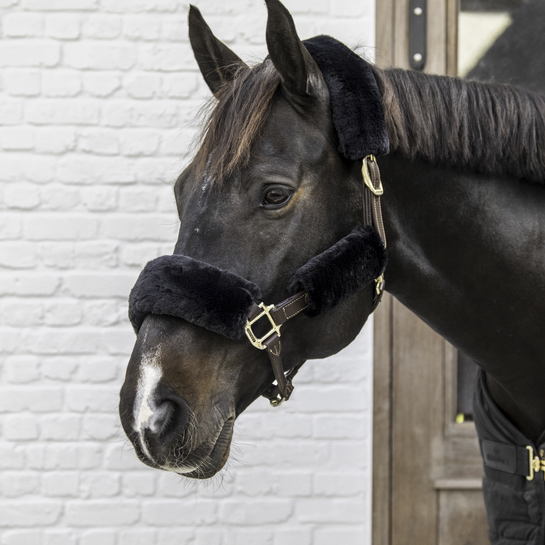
point(266, 193)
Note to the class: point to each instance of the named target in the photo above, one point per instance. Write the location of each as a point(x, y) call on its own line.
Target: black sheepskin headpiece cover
point(356, 101)
point(220, 300)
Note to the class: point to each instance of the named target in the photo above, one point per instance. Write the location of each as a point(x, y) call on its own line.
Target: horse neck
point(462, 256)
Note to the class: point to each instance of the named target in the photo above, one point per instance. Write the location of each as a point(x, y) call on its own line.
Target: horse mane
point(490, 128)
point(235, 120)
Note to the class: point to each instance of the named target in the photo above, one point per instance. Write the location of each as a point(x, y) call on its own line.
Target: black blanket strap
point(277, 315)
point(512, 459)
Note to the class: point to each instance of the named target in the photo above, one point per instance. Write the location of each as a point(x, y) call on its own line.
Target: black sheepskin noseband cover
point(177, 285)
point(342, 270)
point(356, 101)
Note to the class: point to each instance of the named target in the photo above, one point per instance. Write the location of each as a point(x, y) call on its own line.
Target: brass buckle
point(367, 177)
point(535, 464)
point(258, 343)
point(379, 284)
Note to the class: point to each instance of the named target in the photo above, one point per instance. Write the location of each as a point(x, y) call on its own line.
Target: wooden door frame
point(399, 336)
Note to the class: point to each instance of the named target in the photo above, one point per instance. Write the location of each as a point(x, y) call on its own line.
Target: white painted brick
point(138, 199)
point(170, 57)
point(20, 138)
point(339, 426)
point(16, 483)
point(255, 512)
point(21, 53)
point(98, 56)
point(297, 536)
point(138, 484)
point(96, 254)
point(35, 400)
point(57, 227)
point(81, 169)
point(61, 484)
point(60, 427)
point(208, 537)
point(23, 25)
point(127, 6)
point(10, 227)
point(61, 369)
point(98, 537)
point(99, 141)
point(22, 369)
point(61, 84)
point(11, 456)
point(21, 195)
point(137, 537)
point(120, 458)
point(57, 255)
point(19, 427)
point(11, 111)
point(101, 513)
point(17, 255)
point(100, 198)
point(16, 167)
point(174, 31)
point(102, 427)
point(142, 27)
point(181, 85)
point(256, 536)
point(52, 341)
point(118, 341)
point(63, 26)
point(62, 313)
point(142, 85)
point(137, 255)
point(101, 84)
point(63, 112)
point(294, 483)
point(59, 537)
point(42, 284)
point(100, 484)
point(149, 227)
point(55, 140)
point(323, 511)
point(10, 339)
point(22, 537)
point(179, 512)
point(58, 5)
point(99, 284)
point(338, 534)
point(22, 82)
point(179, 537)
point(102, 26)
point(338, 484)
point(103, 314)
point(94, 400)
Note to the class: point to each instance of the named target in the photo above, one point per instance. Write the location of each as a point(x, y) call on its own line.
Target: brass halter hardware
point(378, 191)
point(536, 464)
point(266, 311)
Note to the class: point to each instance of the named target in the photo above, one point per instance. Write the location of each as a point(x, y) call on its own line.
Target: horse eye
point(276, 197)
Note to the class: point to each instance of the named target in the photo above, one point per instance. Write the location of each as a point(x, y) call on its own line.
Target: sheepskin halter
point(225, 303)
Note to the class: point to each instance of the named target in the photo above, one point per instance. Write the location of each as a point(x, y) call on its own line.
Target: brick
point(99, 198)
point(23, 25)
point(208, 537)
point(11, 111)
point(22, 369)
point(14, 484)
point(138, 142)
point(29, 513)
point(142, 85)
point(55, 140)
point(102, 26)
point(61, 484)
point(98, 369)
point(175, 512)
point(98, 56)
point(61, 84)
point(65, 26)
point(148, 227)
point(295, 484)
point(155, 114)
point(297, 536)
point(339, 484)
point(351, 454)
point(250, 536)
point(59, 5)
point(82, 399)
point(62, 368)
point(331, 399)
point(126, 6)
point(101, 84)
point(59, 537)
point(181, 85)
point(63, 456)
point(17, 138)
point(254, 512)
point(52, 341)
point(22, 314)
point(22, 53)
point(142, 27)
point(141, 536)
point(174, 31)
point(170, 486)
point(156, 171)
point(63, 112)
point(11, 456)
point(118, 341)
point(60, 227)
point(81, 169)
point(99, 141)
point(21, 82)
point(15, 167)
point(10, 341)
point(101, 513)
point(137, 255)
point(19, 427)
point(22, 196)
point(42, 284)
point(138, 484)
point(35, 400)
point(179, 537)
point(60, 427)
point(122, 459)
point(22, 537)
point(102, 427)
point(324, 511)
point(57, 255)
point(96, 254)
point(100, 284)
point(138, 199)
point(338, 534)
point(98, 537)
point(164, 57)
point(62, 313)
point(103, 314)
point(17, 255)
point(10, 227)
point(340, 426)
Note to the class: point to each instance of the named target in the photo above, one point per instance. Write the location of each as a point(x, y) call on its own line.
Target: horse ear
point(218, 64)
point(288, 54)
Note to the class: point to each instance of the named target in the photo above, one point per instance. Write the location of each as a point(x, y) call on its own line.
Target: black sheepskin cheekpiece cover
point(356, 102)
point(342, 270)
point(177, 285)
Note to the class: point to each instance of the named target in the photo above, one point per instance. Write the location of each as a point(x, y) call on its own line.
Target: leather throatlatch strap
point(372, 213)
point(278, 315)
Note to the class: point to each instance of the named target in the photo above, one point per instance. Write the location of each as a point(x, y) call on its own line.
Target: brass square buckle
point(258, 343)
point(536, 464)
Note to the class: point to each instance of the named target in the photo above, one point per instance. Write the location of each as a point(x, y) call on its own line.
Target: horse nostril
point(162, 418)
point(169, 418)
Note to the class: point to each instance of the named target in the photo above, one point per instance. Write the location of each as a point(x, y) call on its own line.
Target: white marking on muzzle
point(144, 406)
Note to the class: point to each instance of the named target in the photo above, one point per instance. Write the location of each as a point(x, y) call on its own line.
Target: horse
point(271, 188)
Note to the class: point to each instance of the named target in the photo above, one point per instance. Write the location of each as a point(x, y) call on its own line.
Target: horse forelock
point(490, 128)
point(234, 120)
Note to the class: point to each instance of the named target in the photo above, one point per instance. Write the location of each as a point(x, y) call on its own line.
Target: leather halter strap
point(281, 313)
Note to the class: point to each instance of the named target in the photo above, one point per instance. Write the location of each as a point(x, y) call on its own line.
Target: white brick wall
point(97, 99)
